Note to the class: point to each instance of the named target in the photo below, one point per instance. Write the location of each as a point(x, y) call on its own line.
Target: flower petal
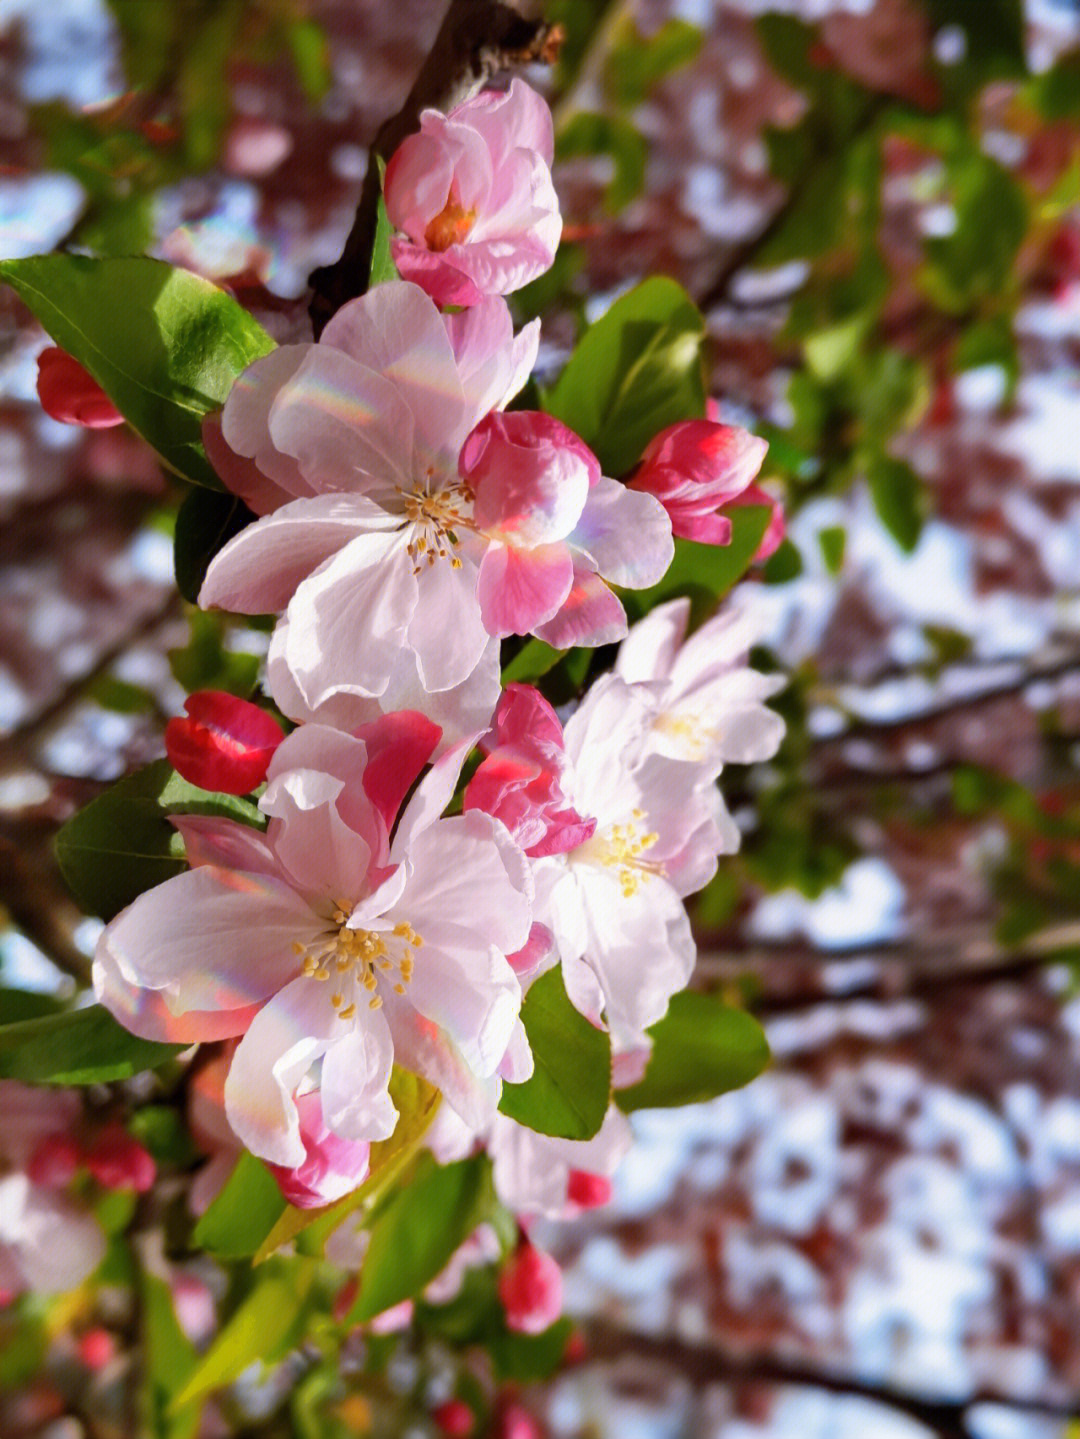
point(355, 1075)
point(521, 589)
point(627, 535)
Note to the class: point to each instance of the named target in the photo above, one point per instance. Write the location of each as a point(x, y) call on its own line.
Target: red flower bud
point(454, 1418)
point(96, 1347)
point(530, 1288)
point(119, 1162)
point(224, 744)
point(514, 1422)
point(588, 1191)
point(70, 395)
point(54, 1161)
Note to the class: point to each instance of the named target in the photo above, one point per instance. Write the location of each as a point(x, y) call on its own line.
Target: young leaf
point(80, 1046)
point(532, 660)
point(382, 262)
point(169, 1358)
point(163, 344)
point(122, 842)
point(701, 1048)
point(568, 1093)
point(418, 1230)
point(269, 1322)
point(895, 490)
point(416, 1103)
point(242, 1214)
point(637, 370)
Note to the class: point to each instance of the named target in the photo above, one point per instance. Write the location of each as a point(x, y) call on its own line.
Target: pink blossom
point(530, 1290)
point(707, 703)
point(416, 513)
point(332, 1168)
point(69, 394)
point(96, 1348)
point(48, 1243)
point(54, 1162)
point(695, 468)
point(322, 940)
point(514, 1422)
point(611, 898)
point(224, 744)
point(472, 192)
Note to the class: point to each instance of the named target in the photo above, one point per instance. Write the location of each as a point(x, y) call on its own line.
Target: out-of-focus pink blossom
point(224, 743)
point(255, 146)
point(454, 1419)
point(530, 1290)
point(96, 1348)
point(514, 1422)
point(520, 780)
point(472, 192)
point(196, 1312)
point(70, 395)
point(695, 468)
point(333, 1166)
point(118, 1161)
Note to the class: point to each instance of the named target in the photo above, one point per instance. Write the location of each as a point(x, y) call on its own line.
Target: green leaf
point(832, 540)
point(205, 664)
point(16, 1004)
point(310, 57)
point(242, 1214)
point(532, 660)
point(418, 1230)
point(205, 523)
point(1057, 91)
point(586, 133)
point(163, 344)
point(382, 262)
point(169, 1360)
point(711, 568)
point(526, 1358)
point(637, 63)
point(122, 842)
point(269, 1323)
point(896, 492)
point(975, 261)
point(80, 1046)
point(701, 1048)
point(637, 370)
point(570, 1087)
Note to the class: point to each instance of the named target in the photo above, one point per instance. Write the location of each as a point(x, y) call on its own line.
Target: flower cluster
point(371, 910)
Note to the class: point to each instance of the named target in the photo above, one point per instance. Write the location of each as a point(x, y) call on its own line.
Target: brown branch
point(709, 1364)
point(477, 40)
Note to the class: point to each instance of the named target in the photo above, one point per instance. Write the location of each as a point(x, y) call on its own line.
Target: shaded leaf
point(242, 1214)
point(701, 1048)
point(79, 1046)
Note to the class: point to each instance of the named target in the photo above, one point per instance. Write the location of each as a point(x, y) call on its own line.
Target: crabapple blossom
point(708, 704)
point(323, 940)
point(71, 395)
point(696, 467)
point(613, 900)
point(333, 1166)
point(224, 743)
point(530, 1289)
point(454, 1418)
point(472, 194)
point(418, 514)
point(47, 1242)
point(537, 1173)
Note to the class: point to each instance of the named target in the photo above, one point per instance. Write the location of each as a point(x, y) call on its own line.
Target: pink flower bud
point(70, 395)
point(588, 1191)
point(697, 466)
point(96, 1347)
point(224, 744)
point(119, 1162)
point(334, 1166)
point(514, 1422)
point(519, 782)
point(454, 1418)
point(530, 1289)
point(54, 1161)
point(473, 196)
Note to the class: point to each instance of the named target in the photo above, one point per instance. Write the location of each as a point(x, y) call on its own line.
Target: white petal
point(355, 1075)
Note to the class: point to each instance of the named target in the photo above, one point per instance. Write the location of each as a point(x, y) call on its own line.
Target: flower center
point(449, 227)
point(436, 519)
point(691, 732)
point(620, 847)
point(356, 959)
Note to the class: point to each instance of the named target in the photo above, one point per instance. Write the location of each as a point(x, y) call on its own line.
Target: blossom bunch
point(420, 920)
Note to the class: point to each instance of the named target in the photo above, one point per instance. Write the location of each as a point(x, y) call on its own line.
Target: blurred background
point(876, 203)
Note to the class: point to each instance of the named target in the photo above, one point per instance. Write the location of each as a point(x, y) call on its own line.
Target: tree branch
point(477, 40)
